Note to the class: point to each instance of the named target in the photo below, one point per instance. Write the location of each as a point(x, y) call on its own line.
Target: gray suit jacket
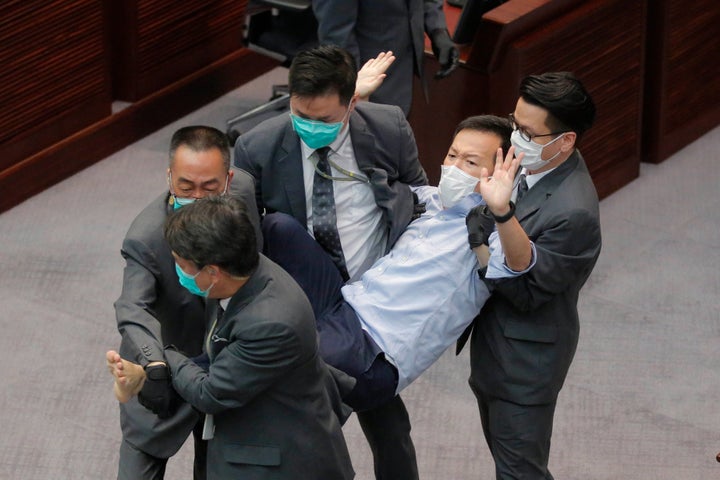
point(526, 335)
point(368, 27)
point(384, 148)
point(266, 387)
point(155, 310)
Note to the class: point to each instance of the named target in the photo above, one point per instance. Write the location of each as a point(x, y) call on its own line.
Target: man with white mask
point(548, 222)
point(415, 301)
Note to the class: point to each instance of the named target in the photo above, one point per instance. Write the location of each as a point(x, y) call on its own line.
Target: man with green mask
point(371, 157)
point(154, 310)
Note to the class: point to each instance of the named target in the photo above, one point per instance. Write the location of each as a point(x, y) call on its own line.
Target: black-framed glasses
point(524, 133)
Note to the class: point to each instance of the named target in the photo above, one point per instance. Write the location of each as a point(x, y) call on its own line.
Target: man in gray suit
point(154, 310)
point(373, 158)
point(268, 410)
point(525, 336)
point(367, 27)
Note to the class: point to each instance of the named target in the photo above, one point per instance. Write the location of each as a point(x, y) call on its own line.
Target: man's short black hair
point(321, 71)
point(200, 138)
point(214, 230)
point(489, 124)
point(568, 103)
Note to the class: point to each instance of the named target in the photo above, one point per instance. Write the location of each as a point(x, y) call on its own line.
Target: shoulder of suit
point(376, 108)
point(150, 220)
point(267, 128)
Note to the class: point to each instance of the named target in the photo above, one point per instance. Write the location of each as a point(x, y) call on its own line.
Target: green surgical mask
point(317, 134)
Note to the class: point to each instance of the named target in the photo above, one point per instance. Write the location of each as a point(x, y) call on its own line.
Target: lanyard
point(349, 176)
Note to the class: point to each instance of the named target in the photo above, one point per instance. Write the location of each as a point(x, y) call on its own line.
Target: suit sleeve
point(245, 368)
point(133, 310)
point(566, 251)
point(243, 162)
point(243, 187)
point(336, 24)
point(434, 15)
point(410, 171)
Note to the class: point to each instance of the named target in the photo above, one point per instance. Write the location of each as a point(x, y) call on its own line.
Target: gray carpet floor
point(640, 401)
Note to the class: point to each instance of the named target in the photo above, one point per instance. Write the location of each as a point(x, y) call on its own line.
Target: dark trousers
point(347, 347)
point(518, 436)
point(137, 465)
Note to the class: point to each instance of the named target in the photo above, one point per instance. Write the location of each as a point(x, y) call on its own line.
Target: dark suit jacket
point(525, 337)
point(384, 148)
point(368, 27)
point(155, 310)
point(266, 387)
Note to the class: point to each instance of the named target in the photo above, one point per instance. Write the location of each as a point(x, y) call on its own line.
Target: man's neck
point(228, 286)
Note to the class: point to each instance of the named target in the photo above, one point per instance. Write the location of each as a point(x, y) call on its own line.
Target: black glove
point(480, 224)
point(158, 394)
point(445, 51)
point(418, 208)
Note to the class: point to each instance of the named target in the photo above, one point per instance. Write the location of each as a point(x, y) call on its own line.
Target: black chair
point(278, 29)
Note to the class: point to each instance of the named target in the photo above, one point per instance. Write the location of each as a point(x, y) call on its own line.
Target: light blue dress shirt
point(417, 300)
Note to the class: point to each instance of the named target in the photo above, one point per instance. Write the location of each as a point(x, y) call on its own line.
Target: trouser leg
point(288, 244)
point(387, 429)
point(200, 461)
point(137, 465)
point(518, 437)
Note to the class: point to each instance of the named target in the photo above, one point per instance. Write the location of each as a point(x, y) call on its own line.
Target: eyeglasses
point(524, 133)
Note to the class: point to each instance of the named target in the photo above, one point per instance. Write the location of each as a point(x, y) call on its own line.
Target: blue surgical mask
point(181, 202)
point(188, 281)
point(314, 133)
point(178, 202)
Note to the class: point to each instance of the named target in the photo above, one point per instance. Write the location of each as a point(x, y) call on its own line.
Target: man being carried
point(415, 301)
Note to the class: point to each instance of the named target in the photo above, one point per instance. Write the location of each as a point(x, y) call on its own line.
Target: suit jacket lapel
point(291, 173)
point(363, 144)
point(544, 189)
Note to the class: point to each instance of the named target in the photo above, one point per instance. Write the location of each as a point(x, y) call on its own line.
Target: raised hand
point(497, 189)
point(372, 74)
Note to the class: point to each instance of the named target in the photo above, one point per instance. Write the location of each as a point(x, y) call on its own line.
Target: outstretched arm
point(372, 74)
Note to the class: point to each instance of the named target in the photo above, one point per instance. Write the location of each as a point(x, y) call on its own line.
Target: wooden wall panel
point(155, 42)
point(54, 79)
point(682, 99)
point(602, 42)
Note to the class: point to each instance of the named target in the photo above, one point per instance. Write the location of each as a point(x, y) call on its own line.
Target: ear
point(568, 141)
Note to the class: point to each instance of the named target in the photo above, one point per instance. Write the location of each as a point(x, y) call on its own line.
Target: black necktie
point(324, 218)
point(522, 188)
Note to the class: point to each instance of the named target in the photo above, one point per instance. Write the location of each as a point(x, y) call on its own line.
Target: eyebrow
point(190, 182)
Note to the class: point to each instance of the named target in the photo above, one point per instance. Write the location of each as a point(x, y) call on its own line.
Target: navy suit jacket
point(384, 148)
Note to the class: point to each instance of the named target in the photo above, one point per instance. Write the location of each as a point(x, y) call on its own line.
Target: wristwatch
point(507, 216)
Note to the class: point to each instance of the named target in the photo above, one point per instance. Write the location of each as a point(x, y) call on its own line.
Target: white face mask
point(533, 151)
point(455, 185)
